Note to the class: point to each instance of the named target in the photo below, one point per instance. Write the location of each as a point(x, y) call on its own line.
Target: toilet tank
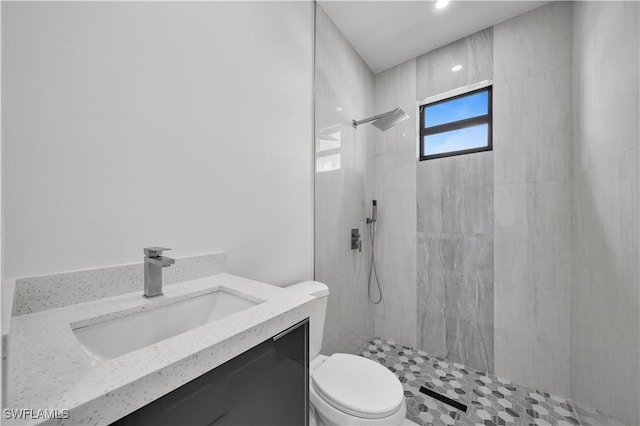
point(316, 320)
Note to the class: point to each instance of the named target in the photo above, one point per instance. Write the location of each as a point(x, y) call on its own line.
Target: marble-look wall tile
point(532, 144)
point(35, 294)
point(395, 169)
point(396, 87)
point(432, 321)
point(455, 222)
point(344, 183)
point(474, 53)
point(396, 315)
point(605, 314)
point(533, 234)
point(456, 194)
point(532, 282)
point(455, 258)
point(536, 346)
point(533, 43)
point(469, 301)
point(605, 111)
point(605, 307)
point(395, 189)
point(349, 321)
point(532, 273)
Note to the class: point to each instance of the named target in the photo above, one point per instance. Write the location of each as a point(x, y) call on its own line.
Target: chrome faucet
point(153, 264)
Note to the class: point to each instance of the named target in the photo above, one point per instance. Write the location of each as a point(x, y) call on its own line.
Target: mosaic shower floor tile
point(490, 400)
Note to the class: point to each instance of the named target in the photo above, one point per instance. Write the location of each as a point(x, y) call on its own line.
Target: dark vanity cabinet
point(266, 385)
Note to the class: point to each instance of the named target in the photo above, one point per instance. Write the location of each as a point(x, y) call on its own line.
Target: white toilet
point(347, 389)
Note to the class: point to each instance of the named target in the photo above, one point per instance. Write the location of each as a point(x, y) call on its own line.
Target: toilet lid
point(358, 386)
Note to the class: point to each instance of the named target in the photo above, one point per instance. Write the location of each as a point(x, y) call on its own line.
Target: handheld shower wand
point(374, 213)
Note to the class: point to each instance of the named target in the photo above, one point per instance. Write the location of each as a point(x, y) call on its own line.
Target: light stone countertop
point(48, 369)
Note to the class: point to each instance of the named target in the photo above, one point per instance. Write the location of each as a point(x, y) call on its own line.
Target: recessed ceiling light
point(339, 109)
point(404, 134)
point(456, 68)
point(441, 4)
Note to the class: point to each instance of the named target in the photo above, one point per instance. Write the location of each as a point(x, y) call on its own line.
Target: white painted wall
point(187, 125)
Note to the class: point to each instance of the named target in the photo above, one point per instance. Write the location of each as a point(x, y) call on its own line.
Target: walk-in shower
point(386, 120)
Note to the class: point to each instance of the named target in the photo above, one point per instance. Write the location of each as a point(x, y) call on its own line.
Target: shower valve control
point(356, 242)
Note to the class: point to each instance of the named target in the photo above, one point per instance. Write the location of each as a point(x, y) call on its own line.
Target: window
point(457, 125)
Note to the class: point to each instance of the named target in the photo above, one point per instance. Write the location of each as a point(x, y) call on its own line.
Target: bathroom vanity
point(192, 359)
point(265, 385)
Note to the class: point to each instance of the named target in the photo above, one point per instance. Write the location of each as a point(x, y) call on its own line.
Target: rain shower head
point(384, 121)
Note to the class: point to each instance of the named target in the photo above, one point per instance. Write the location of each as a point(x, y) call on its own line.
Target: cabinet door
point(267, 385)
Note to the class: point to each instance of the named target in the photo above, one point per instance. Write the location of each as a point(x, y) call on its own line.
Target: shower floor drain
point(428, 382)
point(455, 404)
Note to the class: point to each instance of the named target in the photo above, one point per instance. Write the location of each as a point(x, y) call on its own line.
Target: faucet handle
point(154, 251)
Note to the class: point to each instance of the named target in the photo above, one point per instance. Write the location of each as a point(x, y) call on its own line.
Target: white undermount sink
point(112, 338)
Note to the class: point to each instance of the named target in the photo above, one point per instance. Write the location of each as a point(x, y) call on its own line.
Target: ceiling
point(387, 33)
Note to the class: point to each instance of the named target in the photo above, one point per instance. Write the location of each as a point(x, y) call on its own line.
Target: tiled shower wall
point(455, 222)
point(395, 190)
point(343, 185)
point(605, 306)
point(455, 259)
point(566, 267)
point(532, 174)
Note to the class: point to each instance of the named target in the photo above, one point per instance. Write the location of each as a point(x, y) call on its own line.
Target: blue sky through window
point(457, 109)
point(456, 140)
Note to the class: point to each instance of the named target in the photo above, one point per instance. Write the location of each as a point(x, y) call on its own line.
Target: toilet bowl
point(347, 389)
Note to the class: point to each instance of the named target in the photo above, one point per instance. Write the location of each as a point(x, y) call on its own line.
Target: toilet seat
point(358, 386)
